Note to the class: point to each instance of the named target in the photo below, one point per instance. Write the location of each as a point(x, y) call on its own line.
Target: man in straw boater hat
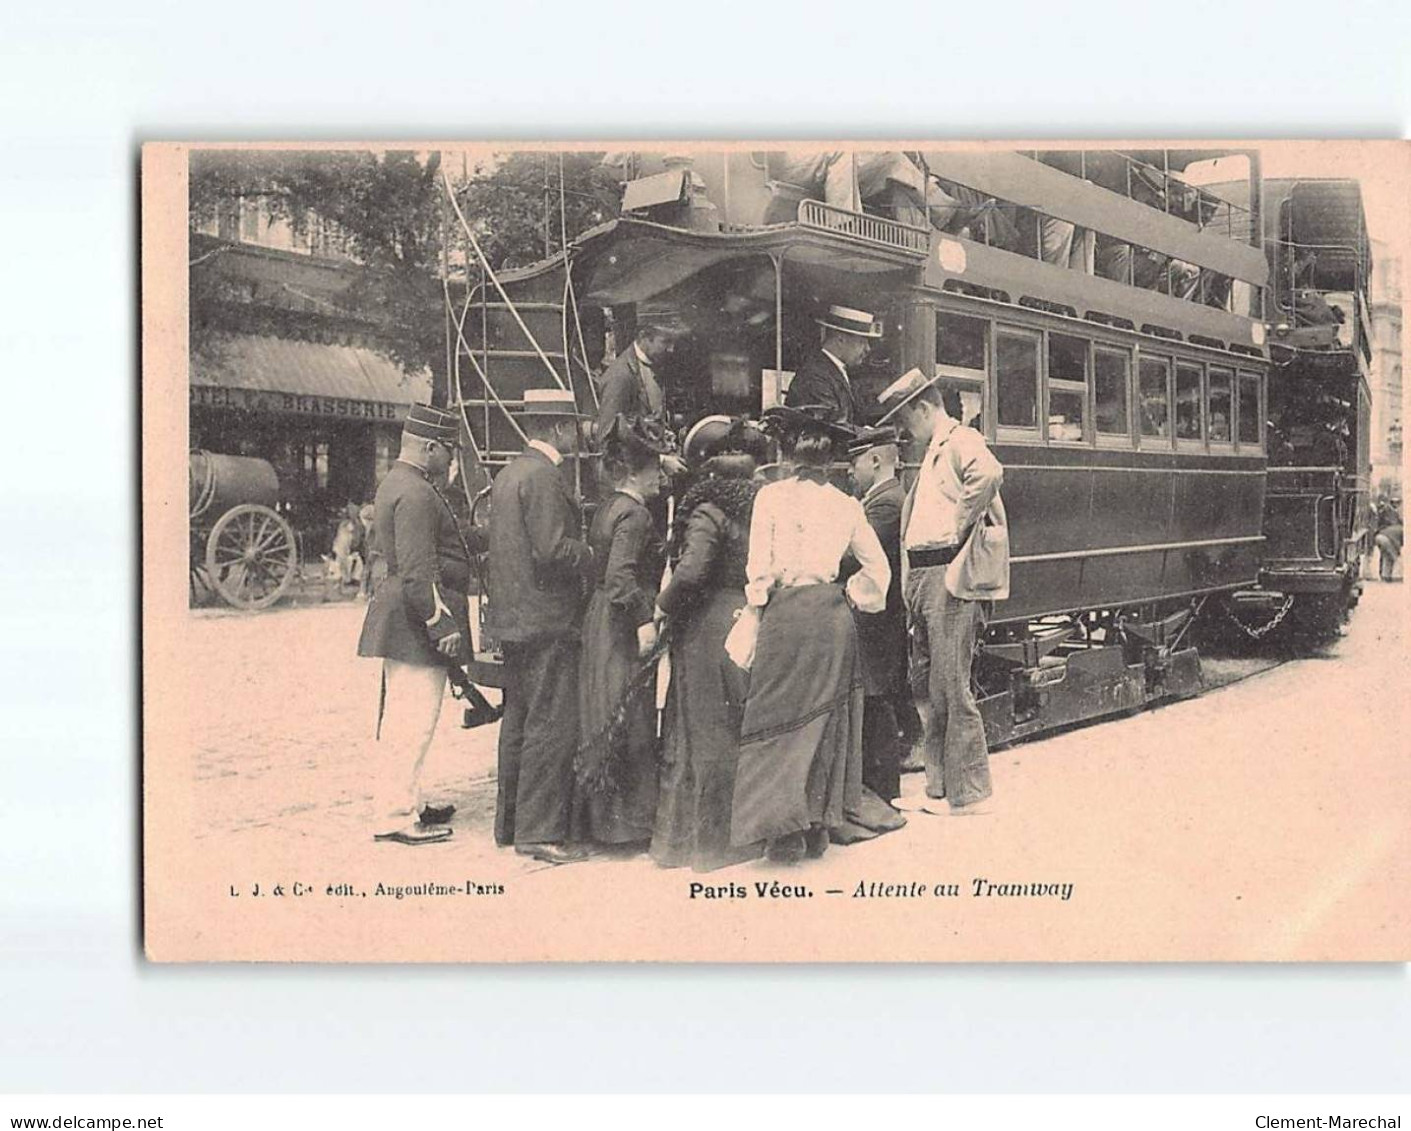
point(955, 557)
point(417, 621)
point(539, 570)
point(824, 379)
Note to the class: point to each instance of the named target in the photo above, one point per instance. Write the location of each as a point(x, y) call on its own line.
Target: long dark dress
point(800, 762)
point(707, 695)
point(628, 560)
point(801, 746)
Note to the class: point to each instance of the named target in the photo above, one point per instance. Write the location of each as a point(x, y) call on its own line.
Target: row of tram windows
point(1071, 389)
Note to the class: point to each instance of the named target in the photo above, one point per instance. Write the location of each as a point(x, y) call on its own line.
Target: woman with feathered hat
point(707, 589)
point(801, 734)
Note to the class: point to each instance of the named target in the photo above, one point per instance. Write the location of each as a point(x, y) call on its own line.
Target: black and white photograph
point(916, 551)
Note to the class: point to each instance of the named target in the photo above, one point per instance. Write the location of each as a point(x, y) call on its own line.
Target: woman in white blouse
point(800, 766)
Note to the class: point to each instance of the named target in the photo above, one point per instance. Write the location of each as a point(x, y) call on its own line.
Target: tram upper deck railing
point(865, 227)
point(1156, 187)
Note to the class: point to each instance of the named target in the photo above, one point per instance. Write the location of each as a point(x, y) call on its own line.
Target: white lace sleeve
point(759, 569)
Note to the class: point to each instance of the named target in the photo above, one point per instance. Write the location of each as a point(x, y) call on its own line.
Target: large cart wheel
point(251, 557)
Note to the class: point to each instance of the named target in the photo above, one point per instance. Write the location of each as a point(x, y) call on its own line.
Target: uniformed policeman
point(417, 621)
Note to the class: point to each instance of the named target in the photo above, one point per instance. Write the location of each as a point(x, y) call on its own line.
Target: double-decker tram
point(1098, 315)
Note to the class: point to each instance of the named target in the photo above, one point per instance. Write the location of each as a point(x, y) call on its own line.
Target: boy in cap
point(539, 568)
point(955, 551)
point(417, 621)
point(824, 379)
point(882, 637)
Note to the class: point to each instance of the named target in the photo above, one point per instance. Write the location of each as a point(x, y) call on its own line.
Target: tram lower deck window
point(1221, 413)
point(1156, 397)
point(1068, 387)
point(961, 341)
point(1111, 370)
point(1017, 379)
point(1188, 402)
point(1249, 408)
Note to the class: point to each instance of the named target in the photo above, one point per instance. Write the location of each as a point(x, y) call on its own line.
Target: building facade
point(1386, 369)
point(281, 368)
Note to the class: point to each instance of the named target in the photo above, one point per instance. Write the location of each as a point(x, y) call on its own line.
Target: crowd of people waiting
point(742, 691)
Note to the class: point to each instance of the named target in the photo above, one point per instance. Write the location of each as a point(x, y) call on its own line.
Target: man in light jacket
point(955, 544)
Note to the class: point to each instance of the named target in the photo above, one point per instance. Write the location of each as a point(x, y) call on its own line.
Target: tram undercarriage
point(1055, 671)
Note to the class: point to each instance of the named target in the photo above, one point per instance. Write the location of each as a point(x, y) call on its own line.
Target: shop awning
point(265, 373)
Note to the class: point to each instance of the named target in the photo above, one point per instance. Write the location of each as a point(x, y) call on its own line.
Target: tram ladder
point(499, 374)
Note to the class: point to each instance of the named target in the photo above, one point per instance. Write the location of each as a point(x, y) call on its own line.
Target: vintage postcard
point(802, 552)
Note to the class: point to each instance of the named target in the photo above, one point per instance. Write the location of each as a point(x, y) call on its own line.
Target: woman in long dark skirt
point(706, 700)
point(800, 768)
point(616, 796)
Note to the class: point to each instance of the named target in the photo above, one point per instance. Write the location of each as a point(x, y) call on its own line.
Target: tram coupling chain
point(1273, 623)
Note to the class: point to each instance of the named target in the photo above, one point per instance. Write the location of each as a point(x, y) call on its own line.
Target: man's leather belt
point(920, 559)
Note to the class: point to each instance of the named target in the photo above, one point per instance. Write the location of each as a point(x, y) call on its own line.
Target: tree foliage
point(513, 203)
point(389, 207)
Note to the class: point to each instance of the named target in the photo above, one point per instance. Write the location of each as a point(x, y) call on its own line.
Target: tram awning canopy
point(630, 261)
point(267, 364)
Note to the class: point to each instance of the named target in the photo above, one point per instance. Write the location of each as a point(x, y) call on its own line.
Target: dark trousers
point(881, 757)
point(538, 737)
point(908, 718)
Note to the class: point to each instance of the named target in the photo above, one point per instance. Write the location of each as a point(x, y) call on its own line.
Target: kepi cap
point(427, 422)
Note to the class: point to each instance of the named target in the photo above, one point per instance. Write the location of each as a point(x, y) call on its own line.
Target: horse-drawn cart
point(241, 547)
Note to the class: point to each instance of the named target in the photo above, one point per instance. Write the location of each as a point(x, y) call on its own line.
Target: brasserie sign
point(294, 404)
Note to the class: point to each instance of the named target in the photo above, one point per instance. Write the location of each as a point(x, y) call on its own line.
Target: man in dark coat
point(417, 621)
point(539, 566)
point(631, 387)
point(824, 379)
point(882, 636)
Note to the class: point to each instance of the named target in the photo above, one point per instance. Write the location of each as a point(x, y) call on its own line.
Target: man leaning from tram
point(825, 377)
point(631, 386)
point(955, 543)
point(417, 622)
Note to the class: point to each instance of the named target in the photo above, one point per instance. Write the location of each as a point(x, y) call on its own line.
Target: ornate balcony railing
point(865, 228)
